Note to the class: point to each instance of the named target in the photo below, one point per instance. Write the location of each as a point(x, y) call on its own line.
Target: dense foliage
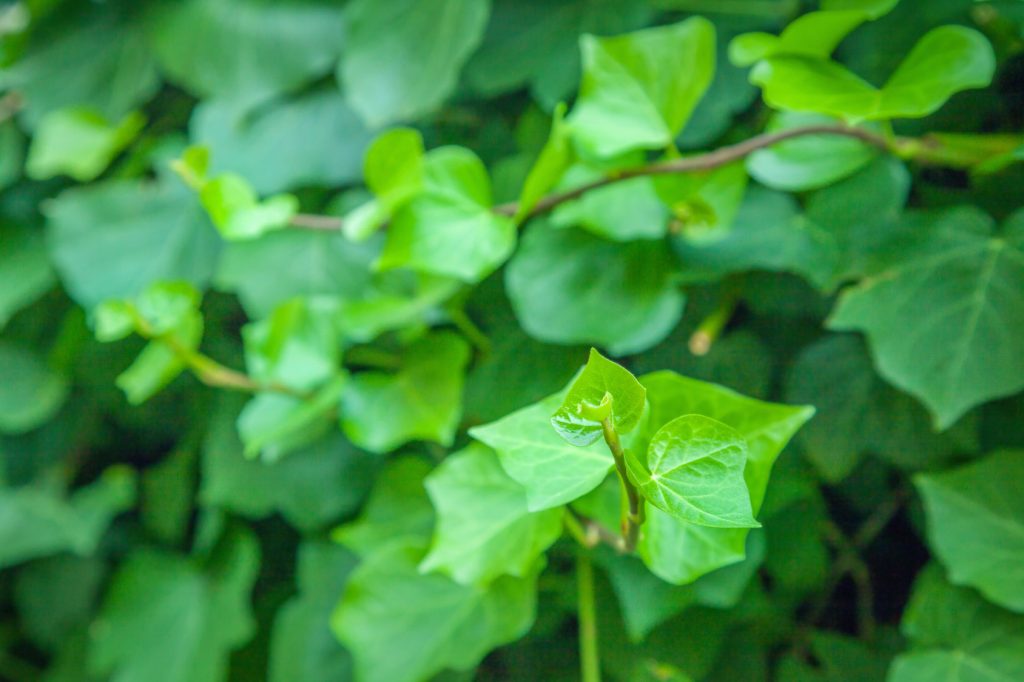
point(388, 340)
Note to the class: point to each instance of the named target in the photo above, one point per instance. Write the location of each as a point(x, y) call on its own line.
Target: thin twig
point(591, 533)
point(693, 164)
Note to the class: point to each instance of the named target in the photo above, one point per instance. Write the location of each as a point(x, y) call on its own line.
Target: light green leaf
point(394, 166)
point(159, 364)
point(858, 413)
point(79, 142)
point(944, 62)
point(624, 211)
point(238, 213)
point(264, 147)
point(35, 522)
point(807, 162)
point(552, 162)
point(638, 90)
point(484, 527)
point(680, 552)
point(298, 345)
point(450, 229)
point(421, 401)
point(390, 72)
point(90, 227)
point(957, 636)
point(694, 471)
point(600, 381)
point(976, 525)
point(569, 287)
point(245, 50)
point(403, 626)
point(31, 393)
point(302, 646)
point(166, 618)
point(533, 454)
point(936, 296)
point(274, 424)
point(311, 487)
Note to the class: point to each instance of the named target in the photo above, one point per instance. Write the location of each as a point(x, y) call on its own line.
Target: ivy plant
point(393, 341)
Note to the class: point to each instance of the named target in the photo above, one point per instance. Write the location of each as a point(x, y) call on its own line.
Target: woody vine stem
point(925, 150)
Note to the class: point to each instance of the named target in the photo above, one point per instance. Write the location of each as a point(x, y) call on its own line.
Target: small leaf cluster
point(405, 340)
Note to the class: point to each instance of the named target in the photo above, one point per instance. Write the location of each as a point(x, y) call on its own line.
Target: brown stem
point(693, 164)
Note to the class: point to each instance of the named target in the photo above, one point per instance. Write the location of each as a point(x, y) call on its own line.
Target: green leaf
point(12, 153)
point(807, 162)
point(976, 525)
point(402, 625)
point(302, 646)
point(167, 619)
point(35, 522)
point(100, 61)
point(31, 393)
point(159, 364)
point(836, 658)
point(600, 381)
point(398, 509)
point(552, 162)
point(79, 142)
point(311, 487)
point(680, 552)
point(534, 455)
point(394, 167)
point(569, 287)
point(298, 345)
point(957, 636)
point(170, 239)
point(304, 264)
point(623, 211)
point(449, 229)
point(484, 527)
point(238, 213)
point(858, 413)
point(944, 62)
point(264, 147)
point(694, 471)
point(551, 65)
point(936, 296)
point(221, 49)
point(274, 424)
point(390, 72)
point(56, 596)
point(638, 90)
point(421, 401)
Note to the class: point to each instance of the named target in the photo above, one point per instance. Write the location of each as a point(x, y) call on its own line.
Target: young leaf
point(551, 164)
point(552, 471)
point(601, 381)
point(678, 551)
point(450, 229)
point(421, 401)
point(484, 528)
point(957, 636)
point(274, 424)
point(639, 89)
point(944, 62)
point(976, 525)
point(402, 625)
point(937, 295)
point(694, 471)
point(79, 142)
